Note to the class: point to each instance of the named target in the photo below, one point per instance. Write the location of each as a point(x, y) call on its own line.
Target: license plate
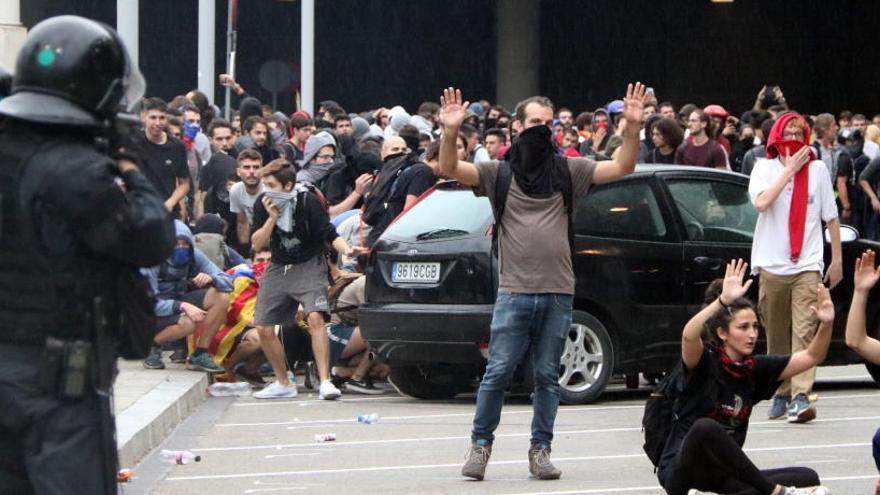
point(416, 272)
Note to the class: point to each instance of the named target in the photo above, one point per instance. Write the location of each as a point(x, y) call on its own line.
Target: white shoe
point(328, 391)
point(277, 391)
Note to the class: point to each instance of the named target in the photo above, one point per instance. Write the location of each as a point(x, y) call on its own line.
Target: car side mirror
point(847, 234)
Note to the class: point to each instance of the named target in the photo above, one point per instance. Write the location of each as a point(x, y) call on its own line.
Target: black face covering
point(531, 160)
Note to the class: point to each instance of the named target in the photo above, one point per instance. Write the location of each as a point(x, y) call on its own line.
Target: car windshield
point(441, 215)
point(714, 211)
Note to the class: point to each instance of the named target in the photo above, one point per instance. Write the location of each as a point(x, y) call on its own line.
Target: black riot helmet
point(5, 82)
point(72, 71)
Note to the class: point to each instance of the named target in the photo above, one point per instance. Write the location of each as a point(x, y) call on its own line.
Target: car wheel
point(587, 360)
point(430, 382)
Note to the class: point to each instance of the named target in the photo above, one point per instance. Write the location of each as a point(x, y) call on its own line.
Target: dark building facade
point(371, 53)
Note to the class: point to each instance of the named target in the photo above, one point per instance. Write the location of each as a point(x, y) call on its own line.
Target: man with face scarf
point(536, 282)
point(792, 193)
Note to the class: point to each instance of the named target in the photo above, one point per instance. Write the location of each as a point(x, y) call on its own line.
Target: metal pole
point(307, 56)
point(205, 76)
point(232, 9)
point(127, 25)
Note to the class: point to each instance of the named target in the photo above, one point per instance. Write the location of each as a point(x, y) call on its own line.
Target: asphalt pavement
point(417, 447)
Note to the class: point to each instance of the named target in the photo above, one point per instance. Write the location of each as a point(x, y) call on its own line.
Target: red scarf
point(736, 369)
point(777, 145)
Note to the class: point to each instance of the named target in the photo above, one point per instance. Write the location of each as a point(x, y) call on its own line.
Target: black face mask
point(490, 123)
point(531, 160)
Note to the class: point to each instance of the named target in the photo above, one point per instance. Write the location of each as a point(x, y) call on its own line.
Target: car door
point(628, 267)
point(717, 222)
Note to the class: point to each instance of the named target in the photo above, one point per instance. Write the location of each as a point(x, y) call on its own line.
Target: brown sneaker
point(540, 465)
point(477, 458)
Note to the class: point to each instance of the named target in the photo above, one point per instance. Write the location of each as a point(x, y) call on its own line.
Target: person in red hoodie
point(792, 193)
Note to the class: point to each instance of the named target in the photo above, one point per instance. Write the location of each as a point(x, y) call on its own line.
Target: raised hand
point(733, 286)
point(634, 103)
point(452, 109)
point(824, 308)
point(865, 275)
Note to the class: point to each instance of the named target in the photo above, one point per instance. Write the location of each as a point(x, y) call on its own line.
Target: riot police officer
point(76, 220)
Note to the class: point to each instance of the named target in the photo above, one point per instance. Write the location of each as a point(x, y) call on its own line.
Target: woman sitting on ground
point(704, 449)
point(865, 278)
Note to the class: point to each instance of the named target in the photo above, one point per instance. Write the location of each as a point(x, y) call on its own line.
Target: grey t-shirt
point(242, 202)
point(533, 245)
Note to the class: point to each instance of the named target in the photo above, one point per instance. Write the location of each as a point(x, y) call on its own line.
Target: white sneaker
point(277, 391)
point(328, 391)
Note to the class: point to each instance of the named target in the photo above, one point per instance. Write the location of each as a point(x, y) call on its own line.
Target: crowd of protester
point(304, 197)
point(213, 174)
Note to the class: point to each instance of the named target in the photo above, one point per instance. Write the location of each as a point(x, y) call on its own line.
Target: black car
point(647, 246)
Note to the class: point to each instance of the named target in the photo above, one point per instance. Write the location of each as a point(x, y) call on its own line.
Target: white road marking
point(404, 467)
point(297, 454)
point(279, 489)
point(404, 440)
point(430, 416)
point(505, 435)
point(342, 400)
point(653, 488)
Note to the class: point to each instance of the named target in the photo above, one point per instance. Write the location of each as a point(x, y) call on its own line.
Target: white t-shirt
point(240, 201)
point(770, 246)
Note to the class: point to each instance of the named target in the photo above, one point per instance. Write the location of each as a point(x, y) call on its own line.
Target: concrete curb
point(145, 424)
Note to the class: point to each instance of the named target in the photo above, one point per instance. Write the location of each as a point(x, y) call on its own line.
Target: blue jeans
point(541, 321)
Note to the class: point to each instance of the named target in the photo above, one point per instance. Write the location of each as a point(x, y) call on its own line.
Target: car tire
point(433, 382)
point(587, 360)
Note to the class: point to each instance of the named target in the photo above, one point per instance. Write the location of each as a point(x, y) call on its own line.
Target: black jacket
point(68, 230)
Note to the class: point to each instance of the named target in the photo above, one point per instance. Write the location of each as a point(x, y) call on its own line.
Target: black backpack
point(502, 186)
point(376, 199)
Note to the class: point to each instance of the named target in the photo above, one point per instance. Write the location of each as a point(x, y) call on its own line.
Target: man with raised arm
point(535, 292)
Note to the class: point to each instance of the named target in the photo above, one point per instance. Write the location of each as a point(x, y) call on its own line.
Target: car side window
point(714, 211)
point(627, 210)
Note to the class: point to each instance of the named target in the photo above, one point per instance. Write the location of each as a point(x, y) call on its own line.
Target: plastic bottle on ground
point(179, 457)
point(368, 418)
point(229, 389)
point(325, 437)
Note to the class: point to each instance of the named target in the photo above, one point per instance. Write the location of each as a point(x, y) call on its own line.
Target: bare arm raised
point(625, 160)
point(452, 113)
point(866, 277)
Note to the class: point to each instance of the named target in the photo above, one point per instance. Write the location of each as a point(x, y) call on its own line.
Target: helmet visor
point(134, 84)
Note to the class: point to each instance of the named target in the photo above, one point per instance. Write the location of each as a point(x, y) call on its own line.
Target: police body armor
point(42, 293)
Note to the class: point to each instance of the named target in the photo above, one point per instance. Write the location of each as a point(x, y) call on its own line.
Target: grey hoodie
point(169, 291)
point(313, 172)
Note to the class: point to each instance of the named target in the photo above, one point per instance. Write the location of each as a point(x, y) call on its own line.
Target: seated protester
point(349, 352)
point(355, 232)
point(210, 234)
point(293, 223)
point(723, 381)
point(407, 179)
point(667, 136)
point(857, 339)
point(189, 289)
point(244, 362)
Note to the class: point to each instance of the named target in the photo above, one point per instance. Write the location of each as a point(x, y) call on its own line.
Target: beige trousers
point(784, 304)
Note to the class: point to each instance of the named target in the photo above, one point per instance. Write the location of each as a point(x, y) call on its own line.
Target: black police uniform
point(70, 225)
